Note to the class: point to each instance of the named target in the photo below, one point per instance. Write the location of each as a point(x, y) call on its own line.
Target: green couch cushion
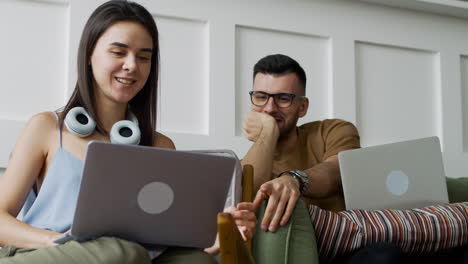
point(457, 189)
point(292, 243)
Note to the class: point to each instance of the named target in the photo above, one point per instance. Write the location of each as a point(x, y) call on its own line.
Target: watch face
point(303, 176)
point(301, 173)
point(303, 179)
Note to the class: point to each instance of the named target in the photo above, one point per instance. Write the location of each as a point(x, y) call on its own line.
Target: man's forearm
point(324, 179)
point(260, 156)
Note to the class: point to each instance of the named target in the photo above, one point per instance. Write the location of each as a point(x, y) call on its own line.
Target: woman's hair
point(143, 105)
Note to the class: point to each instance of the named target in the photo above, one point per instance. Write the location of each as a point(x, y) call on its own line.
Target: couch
point(295, 242)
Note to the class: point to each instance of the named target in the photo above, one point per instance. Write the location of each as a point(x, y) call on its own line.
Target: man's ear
point(303, 107)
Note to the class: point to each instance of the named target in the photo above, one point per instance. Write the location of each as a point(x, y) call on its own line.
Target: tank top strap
point(59, 128)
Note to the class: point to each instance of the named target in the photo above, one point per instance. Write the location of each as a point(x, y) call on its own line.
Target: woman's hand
point(53, 236)
point(245, 219)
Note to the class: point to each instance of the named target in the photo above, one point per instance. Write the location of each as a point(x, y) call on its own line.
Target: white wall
point(397, 74)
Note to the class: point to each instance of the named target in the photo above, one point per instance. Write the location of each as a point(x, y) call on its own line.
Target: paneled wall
point(388, 82)
point(397, 74)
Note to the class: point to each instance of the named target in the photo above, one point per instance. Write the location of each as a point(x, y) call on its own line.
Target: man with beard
point(291, 161)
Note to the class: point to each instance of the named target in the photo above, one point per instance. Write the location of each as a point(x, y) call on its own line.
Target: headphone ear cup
point(79, 122)
point(125, 132)
point(133, 118)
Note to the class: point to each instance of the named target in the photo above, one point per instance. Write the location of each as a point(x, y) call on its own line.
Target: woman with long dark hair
point(118, 65)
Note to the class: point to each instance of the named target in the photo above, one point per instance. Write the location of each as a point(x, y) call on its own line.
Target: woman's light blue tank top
point(53, 207)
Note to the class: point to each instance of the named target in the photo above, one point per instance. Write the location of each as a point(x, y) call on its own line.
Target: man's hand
point(282, 194)
point(245, 219)
point(256, 123)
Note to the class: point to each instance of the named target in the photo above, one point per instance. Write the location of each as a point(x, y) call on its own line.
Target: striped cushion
point(416, 231)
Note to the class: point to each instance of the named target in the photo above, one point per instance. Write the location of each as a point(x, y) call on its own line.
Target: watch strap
point(295, 175)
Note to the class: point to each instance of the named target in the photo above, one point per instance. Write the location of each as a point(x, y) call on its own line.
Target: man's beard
point(288, 129)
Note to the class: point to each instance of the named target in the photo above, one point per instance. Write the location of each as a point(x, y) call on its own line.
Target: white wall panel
point(184, 97)
point(464, 98)
point(398, 93)
point(33, 69)
point(10, 131)
point(33, 52)
point(311, 52)
point(414, 77)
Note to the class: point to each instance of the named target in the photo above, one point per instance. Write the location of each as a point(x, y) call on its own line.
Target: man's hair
point(280, 64)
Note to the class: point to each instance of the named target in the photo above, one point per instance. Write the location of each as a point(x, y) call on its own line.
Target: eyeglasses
point(282, 100)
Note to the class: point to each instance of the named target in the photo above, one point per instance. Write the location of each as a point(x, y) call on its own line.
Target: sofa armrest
point(293, 243)
point(457, 189)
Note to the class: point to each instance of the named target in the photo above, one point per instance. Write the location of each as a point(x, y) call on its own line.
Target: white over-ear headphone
point(123, 132)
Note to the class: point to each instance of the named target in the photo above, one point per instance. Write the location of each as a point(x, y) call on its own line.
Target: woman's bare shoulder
point(44, 118)
point(40, 128)
point(162, 141)
point(42, 123)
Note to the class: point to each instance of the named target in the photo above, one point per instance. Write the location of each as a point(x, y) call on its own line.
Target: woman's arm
point(24, 167)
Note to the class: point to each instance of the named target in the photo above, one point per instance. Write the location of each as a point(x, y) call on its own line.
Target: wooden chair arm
point(247, 183)
point(233, 249)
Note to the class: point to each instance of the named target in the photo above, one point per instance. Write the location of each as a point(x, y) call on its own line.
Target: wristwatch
point(301, 176)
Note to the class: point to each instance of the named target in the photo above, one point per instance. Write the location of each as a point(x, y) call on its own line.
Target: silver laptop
point(401, 175)
point(151, 195)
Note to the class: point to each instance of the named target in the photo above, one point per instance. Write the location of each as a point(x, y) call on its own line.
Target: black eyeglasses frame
point(251, 93)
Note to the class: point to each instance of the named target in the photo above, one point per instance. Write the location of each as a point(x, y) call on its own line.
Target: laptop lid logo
point(397, 182)
point(155, 197)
